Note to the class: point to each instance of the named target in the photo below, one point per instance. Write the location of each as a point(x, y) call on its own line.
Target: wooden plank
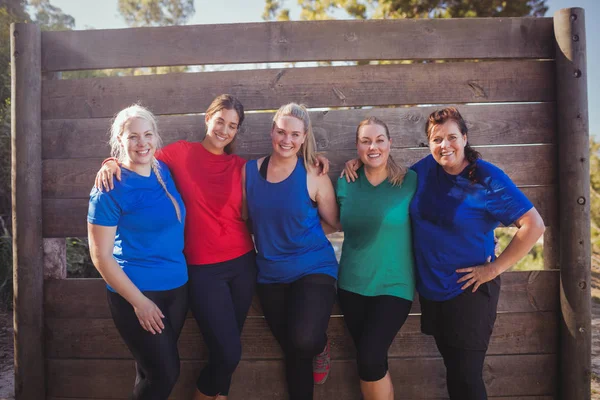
point(26, 175)
point(418, 378)
point(298, 41)
point(67, 217)
point(523, 291)
point(574, 200)
point(335, 129)
point(368, 85)
point(404, 398)
point(514, 333)
point(527, 165)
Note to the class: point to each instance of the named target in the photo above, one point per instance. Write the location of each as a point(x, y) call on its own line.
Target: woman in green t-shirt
point(376, 279)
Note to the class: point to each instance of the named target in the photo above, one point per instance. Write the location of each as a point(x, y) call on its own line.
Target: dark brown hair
point(227, 102)
point(395, 173)
point(440, 117)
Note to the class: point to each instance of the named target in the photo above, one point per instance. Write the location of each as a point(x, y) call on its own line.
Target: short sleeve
point(504, 201)
point(103, 209)
point(170, 153)
point(341, 190)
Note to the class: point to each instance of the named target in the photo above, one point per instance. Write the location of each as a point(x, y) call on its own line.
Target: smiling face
point(221, 128)
point(373, 146)
point(447, 145)
point(287, 136)
point(139, 143)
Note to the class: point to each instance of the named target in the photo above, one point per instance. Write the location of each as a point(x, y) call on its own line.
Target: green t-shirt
point(377, 255)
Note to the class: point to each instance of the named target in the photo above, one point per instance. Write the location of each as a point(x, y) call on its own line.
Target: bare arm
point(350, 169)
point(104, 177)
point(531, 227)
point(321, 191)
point(328, 229)
point(101, 242)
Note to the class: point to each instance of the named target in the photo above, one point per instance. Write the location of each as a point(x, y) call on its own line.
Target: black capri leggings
point(156, 356)
point(220, 296)
point(373, 322)
point(298, 314)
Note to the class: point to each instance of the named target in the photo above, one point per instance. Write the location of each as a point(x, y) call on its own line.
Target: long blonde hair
point(395, 172)
point(309, 147)
point(117, 129)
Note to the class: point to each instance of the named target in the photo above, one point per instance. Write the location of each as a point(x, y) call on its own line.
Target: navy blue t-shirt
point(453, 222)
point(149, 238)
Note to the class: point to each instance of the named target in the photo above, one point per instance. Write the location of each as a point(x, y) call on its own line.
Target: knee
point(307, 346)
point(371, 366)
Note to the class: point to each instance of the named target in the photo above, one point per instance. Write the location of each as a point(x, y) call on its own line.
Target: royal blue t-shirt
point(453, 222)
point(149, 238)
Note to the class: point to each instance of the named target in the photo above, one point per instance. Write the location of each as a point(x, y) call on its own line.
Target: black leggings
point(373, 322)
point(298, 315)
point(462, 327)
point(156, 356)
point(220, 296)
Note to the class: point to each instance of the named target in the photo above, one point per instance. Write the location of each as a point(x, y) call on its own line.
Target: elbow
point(539, 225)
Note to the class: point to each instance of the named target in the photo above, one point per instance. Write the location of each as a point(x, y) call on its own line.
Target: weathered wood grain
point(403, 398)
point(514, 333)
point(526, 165)
point(67, 217)
point(26, 175)
point(86, 298)
point(498, 124)
point(574, 200)
point(368, 85)
point(419, 378)
point(298, 41)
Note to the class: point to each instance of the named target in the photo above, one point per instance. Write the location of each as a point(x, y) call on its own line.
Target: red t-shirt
point(211, 188)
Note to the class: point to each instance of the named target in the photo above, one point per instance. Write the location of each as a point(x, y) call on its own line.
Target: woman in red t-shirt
point(218, 247)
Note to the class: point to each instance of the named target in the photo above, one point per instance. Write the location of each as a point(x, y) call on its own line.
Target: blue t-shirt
point(149, 239)
point(290, 241)
point(453, 222)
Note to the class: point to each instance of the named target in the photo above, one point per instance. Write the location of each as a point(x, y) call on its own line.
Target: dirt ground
point(6, 346)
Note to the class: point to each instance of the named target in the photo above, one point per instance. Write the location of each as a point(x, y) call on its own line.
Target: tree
point(393, 9)
point(51, 18)
point(156, 12)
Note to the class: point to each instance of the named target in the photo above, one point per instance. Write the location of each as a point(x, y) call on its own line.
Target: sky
point(103, 14)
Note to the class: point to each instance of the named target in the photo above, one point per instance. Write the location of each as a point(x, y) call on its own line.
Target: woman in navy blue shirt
point(459, 201)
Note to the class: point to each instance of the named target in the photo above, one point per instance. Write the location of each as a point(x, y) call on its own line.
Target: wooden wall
point(501, 74)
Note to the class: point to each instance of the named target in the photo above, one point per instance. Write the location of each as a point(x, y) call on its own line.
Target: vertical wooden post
point(28, 254)
point(574, 203)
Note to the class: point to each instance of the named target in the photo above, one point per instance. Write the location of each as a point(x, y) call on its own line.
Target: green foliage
point(51, 18)
point(595, 194)
point(393, 9)
point(156, 12)
point(6, 277)
point(534, 260)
